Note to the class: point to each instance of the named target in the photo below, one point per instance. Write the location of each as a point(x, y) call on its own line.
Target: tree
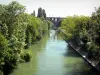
point(44, 13)
point(33, 14)
point(2, 9)
point(18, 29)
point(40, 12)
point(68, 27)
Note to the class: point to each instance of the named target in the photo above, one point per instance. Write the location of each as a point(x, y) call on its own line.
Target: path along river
point(52, 56)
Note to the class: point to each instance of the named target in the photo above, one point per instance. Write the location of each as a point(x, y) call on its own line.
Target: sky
point(59, 8)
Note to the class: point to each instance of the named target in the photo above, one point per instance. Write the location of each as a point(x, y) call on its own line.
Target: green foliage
point(3, 46)
point(92, 47)
point(86, 29)
point(4, 29)
point(18, 30)
point(66, 26)
point(35, 29)
point(10, 14)
point(7, 57)
point(3, 42)
point(26, 56)
point(75, 26)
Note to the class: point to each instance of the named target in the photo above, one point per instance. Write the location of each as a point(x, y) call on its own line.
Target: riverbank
point(94, 65)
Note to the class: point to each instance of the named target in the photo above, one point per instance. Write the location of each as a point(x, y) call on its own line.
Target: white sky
point(59, 8)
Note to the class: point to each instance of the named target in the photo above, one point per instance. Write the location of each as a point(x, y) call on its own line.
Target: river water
point(52, 56)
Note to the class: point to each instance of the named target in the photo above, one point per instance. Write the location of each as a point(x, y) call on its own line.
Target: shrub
point(26, 56)
point(92, 50)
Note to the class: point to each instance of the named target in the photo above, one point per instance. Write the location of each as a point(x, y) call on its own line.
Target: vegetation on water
point(85, 31)
point(26, 56)
point(18, 30)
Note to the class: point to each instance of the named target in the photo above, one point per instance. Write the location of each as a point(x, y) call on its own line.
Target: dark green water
point(53, 56)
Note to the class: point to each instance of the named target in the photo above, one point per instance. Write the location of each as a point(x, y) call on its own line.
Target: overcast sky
point(59, 8)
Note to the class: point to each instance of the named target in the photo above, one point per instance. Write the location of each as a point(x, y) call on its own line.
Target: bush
point(10, 61)
point(92, 50)
point(26, 56)
point(93, 47)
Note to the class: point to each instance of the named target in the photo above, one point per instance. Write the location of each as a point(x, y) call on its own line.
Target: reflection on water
point(53, 56)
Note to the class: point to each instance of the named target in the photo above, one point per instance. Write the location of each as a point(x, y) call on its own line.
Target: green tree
point(68, 27)
point(17, 30)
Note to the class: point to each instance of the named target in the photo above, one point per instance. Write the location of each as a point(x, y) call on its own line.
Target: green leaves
point(35, 29)
point(3, 42)
point(18, 30)
point(26, 56)
point(15, 8)
point(85, 29)
point(74, 26)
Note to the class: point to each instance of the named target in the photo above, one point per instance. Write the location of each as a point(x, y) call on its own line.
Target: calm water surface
point(53, 56)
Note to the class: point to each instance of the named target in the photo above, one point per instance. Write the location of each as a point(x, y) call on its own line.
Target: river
point(52, 56)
